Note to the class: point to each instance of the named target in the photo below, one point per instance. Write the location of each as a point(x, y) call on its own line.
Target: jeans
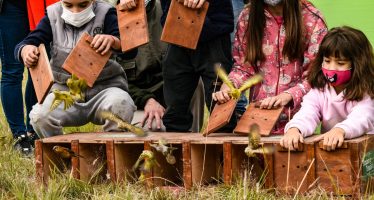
point(237, 6)
point(13, 28)
point(182, 69)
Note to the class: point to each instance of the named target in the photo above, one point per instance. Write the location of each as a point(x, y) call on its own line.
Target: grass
point(18, 181)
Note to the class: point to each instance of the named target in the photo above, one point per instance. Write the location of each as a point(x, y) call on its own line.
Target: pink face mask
point(335, 77)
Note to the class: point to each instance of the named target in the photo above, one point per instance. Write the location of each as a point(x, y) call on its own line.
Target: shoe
point(32, 137)
point(23, 144)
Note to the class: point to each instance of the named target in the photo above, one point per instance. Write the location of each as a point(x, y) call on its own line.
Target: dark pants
point(182, 69)
point(13, 28)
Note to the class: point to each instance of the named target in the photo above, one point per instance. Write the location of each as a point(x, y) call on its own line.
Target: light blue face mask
point(272, 2)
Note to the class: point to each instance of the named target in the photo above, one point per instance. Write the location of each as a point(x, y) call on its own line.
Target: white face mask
point(77, 19)
point(272, 2)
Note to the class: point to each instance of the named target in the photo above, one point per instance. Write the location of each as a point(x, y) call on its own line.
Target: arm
point(309, 115)
point(360, 120)
point(42, 34)
point(241, 70)
point(318, 31)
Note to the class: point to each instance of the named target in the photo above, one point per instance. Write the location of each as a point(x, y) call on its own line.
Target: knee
point(38, 119)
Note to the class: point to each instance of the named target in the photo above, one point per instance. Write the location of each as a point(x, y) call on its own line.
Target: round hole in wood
point(298, 166)
point(192, 22)
point(79, 55)
point(91, 63)
point(283, 166)
point(340, 170)
point(137, 23)
point(265, 119)
point(127, 27)
point(324, 169)
point(179, 17)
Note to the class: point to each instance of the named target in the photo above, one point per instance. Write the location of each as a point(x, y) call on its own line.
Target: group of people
point(320, 76)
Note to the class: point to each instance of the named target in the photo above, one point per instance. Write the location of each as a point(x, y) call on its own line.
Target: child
point(62, 27)
point(277, 38)
point(342, 92)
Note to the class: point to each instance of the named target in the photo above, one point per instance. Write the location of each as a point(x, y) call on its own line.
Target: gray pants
point(48, 123)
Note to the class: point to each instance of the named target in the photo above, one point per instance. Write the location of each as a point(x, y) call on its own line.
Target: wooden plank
point(133, 26)
point(227, 163)
point(265, 118)
point(84, 61)
point(75, 160)
point(220, 116)
point(111, 160)
point(187, 165)
point(41, 75)
point(189, 23)
point(39, 160)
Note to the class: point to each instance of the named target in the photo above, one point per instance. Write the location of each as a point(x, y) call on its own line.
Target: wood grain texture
point(111, 160)
point(183, 25)
point(84, 61)
point(227, 163)
point(265, 118)
point(133, 26)
point(39, 160)
point(75, 160)
point(220, 116)
point(187, 165)
point(41, 74)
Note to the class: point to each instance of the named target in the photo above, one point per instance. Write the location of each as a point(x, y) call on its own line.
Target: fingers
point(200, 4)
point(145, 117)
point(102, 43)
point(221, 96)
point(127, 5)
point(268, 103)
point(193, 3)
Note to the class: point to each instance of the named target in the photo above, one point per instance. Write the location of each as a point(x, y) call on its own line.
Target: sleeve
point(318, 32)
point(309, 115)
point(42, 34)
point(111, 28)
point(140, 96)
point(360, 120)
point(241, 70)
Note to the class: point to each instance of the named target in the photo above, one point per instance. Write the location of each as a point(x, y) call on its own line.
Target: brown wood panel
point(220, 116)
point(183, 25)
point(265, 118)
point(75, 160)
point(187, 165)
point(111, 160)
point(133, 27)
point(227, 163)
point(39, 160)
point(84, 61)
point(41, 74)
point(125, 158)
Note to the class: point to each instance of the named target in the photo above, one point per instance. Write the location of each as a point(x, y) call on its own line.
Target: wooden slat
point(41, 74)
point(84, 61)
point(227, 163)
point(183, 25)
point(265, 118)
point(220, 116)
point(187, 165)
point(111, 160)
point(39, 160)
point(133, 26)
point(75, 160)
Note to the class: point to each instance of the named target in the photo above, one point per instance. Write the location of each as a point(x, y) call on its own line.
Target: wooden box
point(340, 171)
point(282, 170)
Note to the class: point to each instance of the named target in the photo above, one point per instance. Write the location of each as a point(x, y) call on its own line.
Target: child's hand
point(102, 43)
point(281, 99)
point(127, 4)
point(222, 96)
point(332, 139)
point(30, 55)
point(291, 139)
point(192, 3)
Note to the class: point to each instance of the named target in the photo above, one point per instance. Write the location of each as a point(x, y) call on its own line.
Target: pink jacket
point(280, 74)
point(355, 118)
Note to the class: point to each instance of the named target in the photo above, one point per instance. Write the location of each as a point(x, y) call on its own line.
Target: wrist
point(116, 43)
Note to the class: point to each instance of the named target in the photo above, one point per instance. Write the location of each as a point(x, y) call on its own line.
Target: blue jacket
point(219, 19)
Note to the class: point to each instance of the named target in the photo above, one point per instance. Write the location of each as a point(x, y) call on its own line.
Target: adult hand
point(291, 139)
point(30, 55)
point(222, 96)
point(127, 4)
point(194, 4)
point(281, 99)
point(332, 139)
point(153, 111)
point(102, 43)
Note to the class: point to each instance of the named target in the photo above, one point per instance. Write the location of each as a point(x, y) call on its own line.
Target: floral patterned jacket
point(280, 75)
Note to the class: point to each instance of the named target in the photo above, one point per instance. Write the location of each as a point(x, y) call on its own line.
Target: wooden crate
point(273, 168)
point(340, 171)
